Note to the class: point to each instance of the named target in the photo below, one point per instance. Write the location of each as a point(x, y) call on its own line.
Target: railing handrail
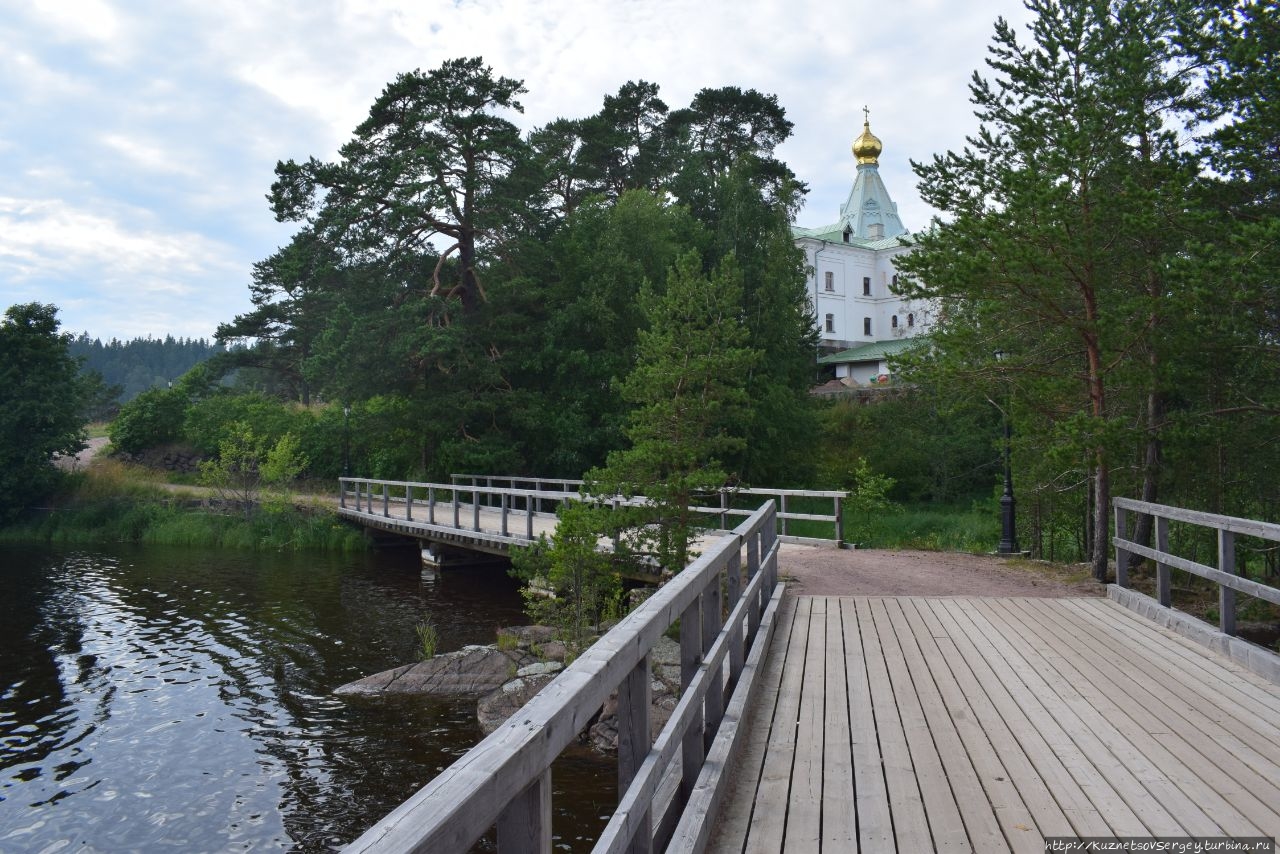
point(1224, 574)
point(505, 777)
point(461, 487)
point(784, 516)
point(1234, 524)
point(740, 490)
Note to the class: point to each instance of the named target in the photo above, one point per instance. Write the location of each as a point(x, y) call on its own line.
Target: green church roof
point(873, 351)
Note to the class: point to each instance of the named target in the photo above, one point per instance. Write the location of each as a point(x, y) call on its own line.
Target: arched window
point(911, 319)
point(831, 323)
point(894, 321)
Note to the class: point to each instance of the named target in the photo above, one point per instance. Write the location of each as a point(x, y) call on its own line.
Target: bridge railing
point(786, 500)
point(1224, 574)
point(452, 505)
point(505, 780)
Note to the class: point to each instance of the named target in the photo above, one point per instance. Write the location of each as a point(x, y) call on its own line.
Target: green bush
point(150, 419)
point(211, 421)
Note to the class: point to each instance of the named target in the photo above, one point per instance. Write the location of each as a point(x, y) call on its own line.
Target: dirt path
point(82, 459)
point(876, 572)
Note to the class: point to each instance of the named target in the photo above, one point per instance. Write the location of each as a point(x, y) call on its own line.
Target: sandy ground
point(812, 571)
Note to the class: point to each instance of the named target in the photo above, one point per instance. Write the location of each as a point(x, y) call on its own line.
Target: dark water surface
point(159, 699)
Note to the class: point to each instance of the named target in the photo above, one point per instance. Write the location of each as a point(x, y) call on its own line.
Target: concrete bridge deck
point(963, 724)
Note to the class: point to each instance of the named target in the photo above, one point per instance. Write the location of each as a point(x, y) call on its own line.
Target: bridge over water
point(910, 724)
point(488, 514)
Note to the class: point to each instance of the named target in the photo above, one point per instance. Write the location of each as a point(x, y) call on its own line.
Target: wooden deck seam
point(1231, 733)
point(1226, 765)
point(1211, 672)
point(924, 724)
point(1114, 754)
point(1170, 765)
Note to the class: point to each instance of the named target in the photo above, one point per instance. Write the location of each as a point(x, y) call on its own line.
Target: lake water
point(157, 699)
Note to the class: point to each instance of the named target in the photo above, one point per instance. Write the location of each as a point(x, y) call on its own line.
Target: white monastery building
point(861, 320)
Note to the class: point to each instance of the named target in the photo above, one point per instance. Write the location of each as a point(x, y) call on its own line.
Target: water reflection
point(175, 699)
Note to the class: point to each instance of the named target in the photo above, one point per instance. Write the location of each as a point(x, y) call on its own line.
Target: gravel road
point(814, 571)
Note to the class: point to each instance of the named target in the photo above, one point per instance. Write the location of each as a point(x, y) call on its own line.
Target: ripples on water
point(159, 699)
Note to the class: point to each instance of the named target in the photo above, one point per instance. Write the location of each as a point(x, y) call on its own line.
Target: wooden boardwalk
point(915, 725)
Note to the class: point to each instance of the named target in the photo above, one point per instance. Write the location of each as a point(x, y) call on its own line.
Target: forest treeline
point(130, 367)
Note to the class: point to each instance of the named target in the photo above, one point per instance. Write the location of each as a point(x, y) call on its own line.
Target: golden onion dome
point(867, 147)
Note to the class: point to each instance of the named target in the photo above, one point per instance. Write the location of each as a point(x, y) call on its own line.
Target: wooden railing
point(505, 780)
point(443, 503)
point(724, 498)
point(1224, 574)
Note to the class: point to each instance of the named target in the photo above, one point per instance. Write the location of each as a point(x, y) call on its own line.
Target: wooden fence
point(1224, 574)
point(505, 780)
point(444, 504)
point(721, 502)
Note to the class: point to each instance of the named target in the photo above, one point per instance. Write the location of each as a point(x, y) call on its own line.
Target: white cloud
point(150, 155)
point(82, 20)
point(47, 238)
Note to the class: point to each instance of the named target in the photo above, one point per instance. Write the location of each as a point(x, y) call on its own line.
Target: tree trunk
point(1101, 526)
point(1151, 461)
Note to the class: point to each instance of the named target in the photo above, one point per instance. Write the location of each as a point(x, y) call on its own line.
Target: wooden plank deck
point(916, 724)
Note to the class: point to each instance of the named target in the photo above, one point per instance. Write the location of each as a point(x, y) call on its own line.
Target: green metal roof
point(873, 351)
point(835, 234)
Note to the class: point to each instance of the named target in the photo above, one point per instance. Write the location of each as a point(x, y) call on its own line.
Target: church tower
point(862, 321)
point(869, 213)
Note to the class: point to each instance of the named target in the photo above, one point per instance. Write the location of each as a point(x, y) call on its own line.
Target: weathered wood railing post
point(457, 522)
point(724, 508)
point(408, 502)
point(505, 503)
point(753, 567)
point(359, 509)
point(1122, 555)
point(528, 518)
point(783, 513)
point(525, 825)
point(431, 505)
point(342, 493)
point(734, 590)
point(475, 510)
point(1226, 596)
point(386, 500)
point(713, 707)
point(1164, 593)
point(839, 514)
point(634, 741)
point(691, 751)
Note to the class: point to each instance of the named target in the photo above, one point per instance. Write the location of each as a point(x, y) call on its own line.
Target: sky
point(138, 138)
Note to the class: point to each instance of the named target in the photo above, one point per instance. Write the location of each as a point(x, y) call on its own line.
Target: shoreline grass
point(115, 503)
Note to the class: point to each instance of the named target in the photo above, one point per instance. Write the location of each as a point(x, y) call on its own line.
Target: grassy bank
point(932, 527)
point(112, 503)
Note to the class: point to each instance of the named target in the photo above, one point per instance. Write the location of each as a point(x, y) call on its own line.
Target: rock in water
point(506, 700)
point(472, 671)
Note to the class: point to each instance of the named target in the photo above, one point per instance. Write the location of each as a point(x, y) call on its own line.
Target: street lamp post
point(346, 441)
point(1008, 527)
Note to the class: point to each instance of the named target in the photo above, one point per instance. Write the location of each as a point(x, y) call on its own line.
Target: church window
point(866, 286)
point(831, 323)
point(848, 230)
point(866, 326)
point(829, 280)
point(894, 322)
point(911, 320)
point(895, 280)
